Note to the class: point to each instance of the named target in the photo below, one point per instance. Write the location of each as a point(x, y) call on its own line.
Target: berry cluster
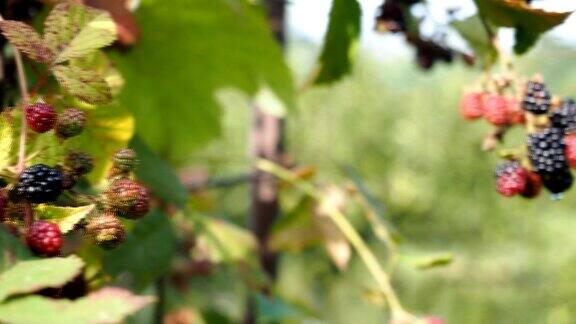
point(549, 152)
point(55, 185)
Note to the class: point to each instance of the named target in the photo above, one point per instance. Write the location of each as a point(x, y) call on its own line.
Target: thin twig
point(376, 270)
point(23, 83)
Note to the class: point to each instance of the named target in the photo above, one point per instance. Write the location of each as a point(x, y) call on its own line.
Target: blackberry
point(537, 99)
point(565, 116)
point(125, 160)
point(44, 238)
point(570, 150)
point(39, 184)
point(127, 198)
point(471, 105)
point(79, 163)
point(546, 153)
point(106, 230)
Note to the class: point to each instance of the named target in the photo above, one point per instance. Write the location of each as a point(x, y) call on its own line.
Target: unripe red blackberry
point(40, 117)
point(106, 230)
point(125, 160)
point(79, 163)
point(510, 178)
point(533, 185)
point(44, 238)
point(70, 123)
point(128, 198)
point(516, 114)
point(496, 110)
point(471, 105)
point(570, 150)
point(39, 184)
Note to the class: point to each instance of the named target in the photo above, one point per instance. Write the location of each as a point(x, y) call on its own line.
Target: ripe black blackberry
point(537, 99)
point(565, 116)
point(39, 184)
point(546, 153)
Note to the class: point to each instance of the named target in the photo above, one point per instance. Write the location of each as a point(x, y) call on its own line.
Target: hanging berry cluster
point(40, 184)
point(45, 197)
point(549, 151)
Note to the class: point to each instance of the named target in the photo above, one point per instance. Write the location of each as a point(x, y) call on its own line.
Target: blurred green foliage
point(513, 258)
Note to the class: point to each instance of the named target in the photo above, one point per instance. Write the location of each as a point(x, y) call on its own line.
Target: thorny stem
point(25, 97)
point(376, 270)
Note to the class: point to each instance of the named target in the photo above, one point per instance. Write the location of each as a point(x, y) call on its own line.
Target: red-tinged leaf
point(27, 40)
point(86, 85)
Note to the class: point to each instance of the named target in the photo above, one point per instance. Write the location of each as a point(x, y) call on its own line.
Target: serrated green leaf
point(529, 22)
point(108, 305)
point(273, 309)
point(473, 31)
point(30, 276)
point(158, 175)
point(74, 31)
point(65, 217)
point(27, 40)
point(340, 41)
point(108, 129)
point(171, 88)
point(225, 242)
point(6, 142)
point(147, 253)
point(86, 85)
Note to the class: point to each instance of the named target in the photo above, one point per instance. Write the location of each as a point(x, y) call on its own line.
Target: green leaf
point(108, 305)
point(225, 242)
point(108, 129)
point(11, 249)
point(473, 31)
point(171, 88)
point(74, 31)
point(27, 40)
point(434, 261)
point(529, 22)
point(158, 175)
point(6, 142)
point(30, 276)
point(297, 229)
point(340, 41)
point(86, 85)
point(147, 253)
point(65, 217)
point(272, 309)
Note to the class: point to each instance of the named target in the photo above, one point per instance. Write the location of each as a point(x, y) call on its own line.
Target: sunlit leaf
point(6, 142)
point(30, 276)
point(108, 129)
point(297, 229)
point(73, 30)
point(27, 40)
point(108, 305)
point(65, 217)
point(340, 41)
point(224, 242)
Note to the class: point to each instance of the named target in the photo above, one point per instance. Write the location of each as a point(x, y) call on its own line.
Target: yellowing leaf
point(27, 40)
point(86, 85)
point(108, 129)
point(6, 142)
point(74, 31)
point(30, 276)
point(64, 217)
